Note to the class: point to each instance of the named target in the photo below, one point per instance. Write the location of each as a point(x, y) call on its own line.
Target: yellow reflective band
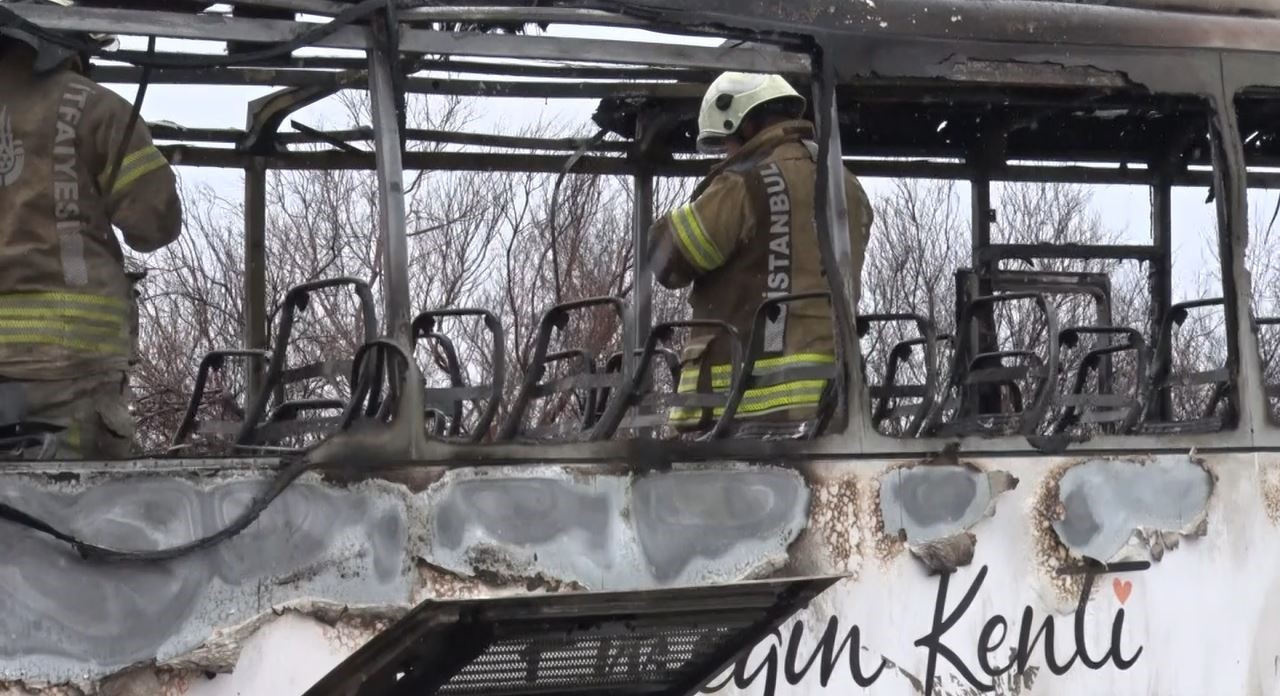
point(71, 437)
point(700, 233)
point(59, 327)
point(802, 393)
point(83, 322)
point(68, 312)
point(66, 342)
point(137, 165)
point(32, 299)
point(766, 400)
point(722, 375)
point(687, 245)
point(693, 239)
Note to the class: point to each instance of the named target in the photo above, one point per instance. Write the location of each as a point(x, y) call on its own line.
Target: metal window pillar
point(1160, 279)
point(642, 220)
point(832, 212)
point(1251, 404)
point(980, 233)
point(255, 272)
point(391, 209)
point(642, 285)
point(981, 339)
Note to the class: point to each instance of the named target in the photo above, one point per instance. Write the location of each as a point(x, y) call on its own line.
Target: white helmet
point(730, 98)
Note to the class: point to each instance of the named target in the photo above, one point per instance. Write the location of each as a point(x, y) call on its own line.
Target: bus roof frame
point(1204, 39)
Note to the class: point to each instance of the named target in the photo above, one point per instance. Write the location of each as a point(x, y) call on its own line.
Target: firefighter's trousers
point(93, 411)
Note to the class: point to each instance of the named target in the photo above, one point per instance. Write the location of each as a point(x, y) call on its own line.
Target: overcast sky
point(1124, 208)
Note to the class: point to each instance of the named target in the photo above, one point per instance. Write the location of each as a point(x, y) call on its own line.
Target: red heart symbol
point(1123, 589)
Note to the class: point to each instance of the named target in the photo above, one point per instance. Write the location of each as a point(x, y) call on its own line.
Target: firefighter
point(65, 302)
point(750, 234)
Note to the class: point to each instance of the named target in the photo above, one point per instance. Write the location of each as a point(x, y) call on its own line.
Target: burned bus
point(1055, 478)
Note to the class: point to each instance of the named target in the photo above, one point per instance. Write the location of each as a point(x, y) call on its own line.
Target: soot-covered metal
point(960, 119)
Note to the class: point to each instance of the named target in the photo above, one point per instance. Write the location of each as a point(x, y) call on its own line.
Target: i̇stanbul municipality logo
point(12, 154)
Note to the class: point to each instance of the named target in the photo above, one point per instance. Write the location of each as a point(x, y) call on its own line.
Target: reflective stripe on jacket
point(90, 324)
point(64, 297)
point(748, 235)
point(769, 398)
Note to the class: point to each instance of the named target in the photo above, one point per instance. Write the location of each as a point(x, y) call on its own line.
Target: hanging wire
point(553, 216)
point(134, 116)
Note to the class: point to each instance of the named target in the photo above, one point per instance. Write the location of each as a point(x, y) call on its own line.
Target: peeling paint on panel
point(360, 553)
point(934, 506)
point(18, 688)
point(1112, 508)
point(438, 583)
point(946, 554)
point(834, 539)
point(1042, 73)
point(1050, 553)
point(887, 545)
point(149, 681)
point(682, 527)
point(82, 621)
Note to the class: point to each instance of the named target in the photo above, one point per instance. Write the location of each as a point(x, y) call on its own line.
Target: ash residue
point(833, 538)
point(1269, 480)
point(886, 545)
point(1050, 553)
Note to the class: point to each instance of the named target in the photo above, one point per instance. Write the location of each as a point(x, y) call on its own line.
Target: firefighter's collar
point(765, 142)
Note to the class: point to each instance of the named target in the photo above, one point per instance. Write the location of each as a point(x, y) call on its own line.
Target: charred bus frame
point(847, 51)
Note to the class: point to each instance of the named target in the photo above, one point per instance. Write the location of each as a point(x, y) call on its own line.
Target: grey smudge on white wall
point(1107, 501)
point(63, 618)
point(708, 514)
point(613, 532)
point(930, 503)
point(934, 507)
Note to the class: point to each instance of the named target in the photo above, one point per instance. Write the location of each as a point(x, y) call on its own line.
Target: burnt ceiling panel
point(953, 120)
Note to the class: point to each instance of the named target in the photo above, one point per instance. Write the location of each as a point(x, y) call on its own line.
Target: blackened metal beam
point(834, 241)
point(510, 142)
point(324, 137)
point(574, 72)
point(184, 155)
point(1160, 280)
point(981, 213)
point(642, 213)
point(442, 65)
point(195, 156)
point(222, 28)
point(290, 77)
point(555, 90)
point(981, 335)
point(315, 7)
point(478, 13)
point(266, 114)
point(995, 252)
point(104, 65)
point(1056, 23)
point(391, 209)
point(161, 131)
point(520, 15)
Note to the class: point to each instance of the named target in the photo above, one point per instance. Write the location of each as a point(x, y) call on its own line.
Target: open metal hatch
point(650, 642)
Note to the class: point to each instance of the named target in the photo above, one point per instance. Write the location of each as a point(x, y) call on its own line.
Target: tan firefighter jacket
point(748, 235)
point(65, 304)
